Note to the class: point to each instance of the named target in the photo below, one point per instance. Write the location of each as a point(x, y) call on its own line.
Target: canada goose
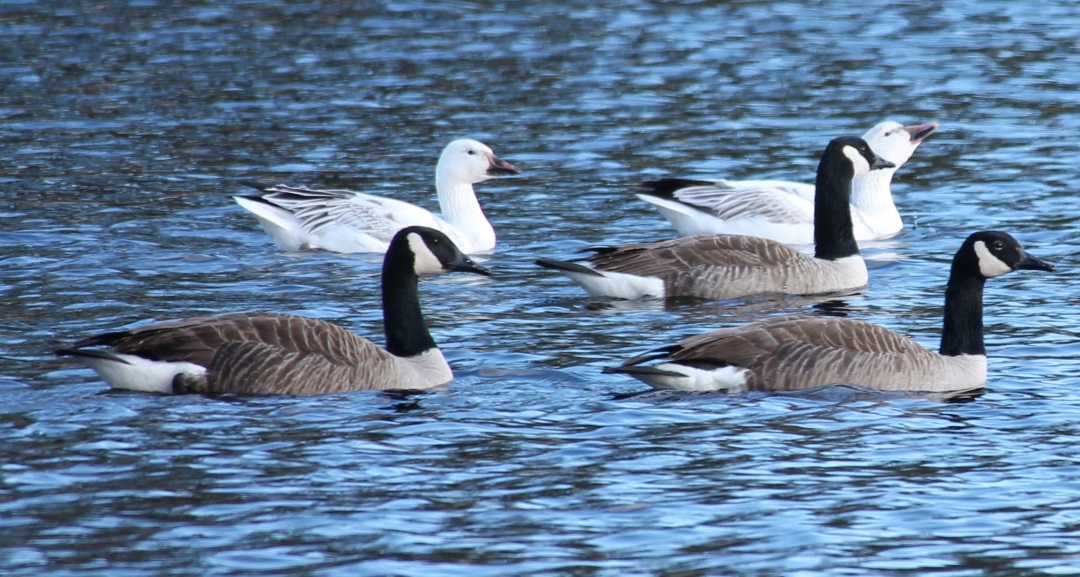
point(300, 218)
point(730, 266)
point(801, 352)
point(267, 353)
point(782, 210)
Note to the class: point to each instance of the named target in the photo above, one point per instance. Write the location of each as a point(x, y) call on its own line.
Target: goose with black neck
point(804, 351)
point(732, 266)
point(269, 353)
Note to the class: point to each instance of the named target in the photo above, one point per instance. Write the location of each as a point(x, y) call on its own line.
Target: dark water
point(125, 128)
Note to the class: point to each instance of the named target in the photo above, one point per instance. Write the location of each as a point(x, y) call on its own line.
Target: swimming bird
point(801, 352)
point(726, 266)
point(345, 221)
point(783, 210)
point(268, 353)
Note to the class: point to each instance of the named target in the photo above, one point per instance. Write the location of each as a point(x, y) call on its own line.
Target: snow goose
point(801, 352)
point(727, 266)
point(300, 218)
point(267, 353)
point(782, 210)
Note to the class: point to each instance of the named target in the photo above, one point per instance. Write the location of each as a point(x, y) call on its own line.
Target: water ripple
point(129, 125)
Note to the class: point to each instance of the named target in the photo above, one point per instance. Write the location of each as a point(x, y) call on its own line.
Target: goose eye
point(472, 153)
point(998, 245)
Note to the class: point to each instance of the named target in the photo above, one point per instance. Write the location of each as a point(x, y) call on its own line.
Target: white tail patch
point(726, 379)
point(424, 261)
point(989, 265)
point(282, 226)
point(618, 285)
point(139, 374)
point(858, 161)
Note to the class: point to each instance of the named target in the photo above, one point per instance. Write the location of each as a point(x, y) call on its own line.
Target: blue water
point(126, 126)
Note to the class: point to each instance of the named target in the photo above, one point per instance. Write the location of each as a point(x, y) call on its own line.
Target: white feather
point(424, 261)
point(989, 265)
point(728, 379)
point(139, 374)
point(618, 285)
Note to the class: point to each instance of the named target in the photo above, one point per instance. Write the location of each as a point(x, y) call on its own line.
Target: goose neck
point(458, 202)
point(406, 332)
point(834, 237)
point(873, 190)
point(962, 333)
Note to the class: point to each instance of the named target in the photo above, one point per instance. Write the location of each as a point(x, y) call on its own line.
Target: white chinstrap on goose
point(803, 352)
point(783, 210)
point(726, 266)
point(345, 221)
point(267, 353)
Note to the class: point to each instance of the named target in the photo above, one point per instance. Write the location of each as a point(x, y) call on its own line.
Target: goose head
point(431, 252)
point(471, 161)
point(992, 253)
point(860, 158)
point(895, 142)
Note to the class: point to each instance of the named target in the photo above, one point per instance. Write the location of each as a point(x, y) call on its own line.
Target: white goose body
point(345, 221)
point(730, 266)
point(267, 353)
point(802, 352)
point(783, 210)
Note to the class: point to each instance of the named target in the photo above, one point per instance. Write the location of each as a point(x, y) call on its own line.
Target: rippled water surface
point(126, 126)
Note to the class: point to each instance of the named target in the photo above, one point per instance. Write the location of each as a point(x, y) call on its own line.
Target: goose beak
point(1034, 263)
point(497, 166)
point(880, 163)
point(920, 132)
point(464, 264)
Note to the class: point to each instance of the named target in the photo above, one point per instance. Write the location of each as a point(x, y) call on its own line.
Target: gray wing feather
point(318, 210)
point(731, 203)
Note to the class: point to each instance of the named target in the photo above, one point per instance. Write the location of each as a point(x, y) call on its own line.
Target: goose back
point(301, 218)
point(800, 352)
point(730, 266)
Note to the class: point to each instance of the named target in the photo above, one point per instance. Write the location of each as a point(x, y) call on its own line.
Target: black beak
point(881, 163)
point(499, 166)
point(919, 132)
point(1033, 263)
point(464, 264)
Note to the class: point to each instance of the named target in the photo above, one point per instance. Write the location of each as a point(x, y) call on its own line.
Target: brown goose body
point(254, 353)
point(801, 352)
point(731, 266)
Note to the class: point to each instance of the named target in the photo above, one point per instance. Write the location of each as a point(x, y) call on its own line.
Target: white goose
point(782, 210)
point(265, 353)
point(301, 218)
point(802, 352)
point(725, 266)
